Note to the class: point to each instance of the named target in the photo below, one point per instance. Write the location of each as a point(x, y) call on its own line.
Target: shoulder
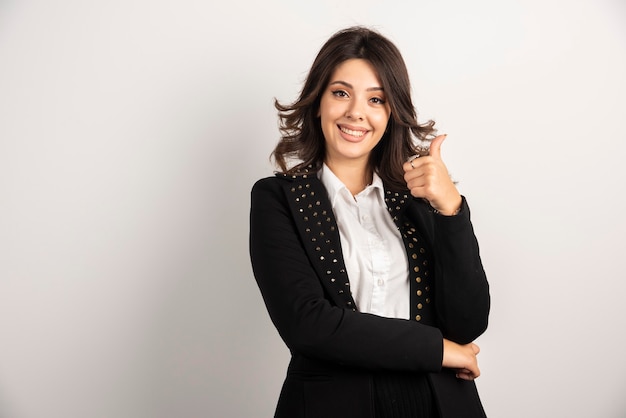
point(266, 183)
point(282, 181)
point(267, 190)
point(282, 187)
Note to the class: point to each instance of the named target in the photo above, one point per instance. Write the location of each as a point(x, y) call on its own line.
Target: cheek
point(322, 110)
point(383, 121)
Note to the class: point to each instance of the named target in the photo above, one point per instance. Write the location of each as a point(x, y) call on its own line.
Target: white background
point(131, 132)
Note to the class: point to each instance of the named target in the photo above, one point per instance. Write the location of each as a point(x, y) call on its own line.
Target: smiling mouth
point(356, 134)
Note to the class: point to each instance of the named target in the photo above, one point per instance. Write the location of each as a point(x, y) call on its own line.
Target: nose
point(354, 111)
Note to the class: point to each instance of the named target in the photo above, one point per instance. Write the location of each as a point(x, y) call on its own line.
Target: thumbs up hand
point(427, 177)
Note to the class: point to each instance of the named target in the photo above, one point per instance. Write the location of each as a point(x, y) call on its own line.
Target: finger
point(417, 192)
point(468, 374)
point(410, 163)
point(418, 185)
point(415, 178)
point(464, 376)
point(435, 146)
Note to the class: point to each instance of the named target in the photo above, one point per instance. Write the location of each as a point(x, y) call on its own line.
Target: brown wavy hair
point(302, 138)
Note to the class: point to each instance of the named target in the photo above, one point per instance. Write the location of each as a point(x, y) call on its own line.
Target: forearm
point(463, 300)
point(320, 330)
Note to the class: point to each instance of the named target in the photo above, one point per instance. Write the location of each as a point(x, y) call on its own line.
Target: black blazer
point(297, 262)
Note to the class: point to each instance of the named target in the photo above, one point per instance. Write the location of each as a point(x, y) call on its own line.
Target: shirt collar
point(335, 187)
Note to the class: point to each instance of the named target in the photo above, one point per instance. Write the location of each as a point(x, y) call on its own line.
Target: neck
point(355, 177)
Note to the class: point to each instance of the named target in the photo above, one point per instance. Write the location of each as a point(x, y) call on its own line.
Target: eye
point(339, 93)
point(377, 100)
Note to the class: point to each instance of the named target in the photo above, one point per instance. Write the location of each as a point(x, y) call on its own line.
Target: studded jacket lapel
point(318, 230)
point(418, 253)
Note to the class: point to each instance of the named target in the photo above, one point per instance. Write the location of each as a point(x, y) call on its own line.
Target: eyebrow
point(351, 87)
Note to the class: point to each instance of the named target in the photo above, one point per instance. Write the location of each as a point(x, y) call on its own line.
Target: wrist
point(448, 213)
point(449, 210)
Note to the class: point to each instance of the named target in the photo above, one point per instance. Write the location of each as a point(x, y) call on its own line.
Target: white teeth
point(351, 132)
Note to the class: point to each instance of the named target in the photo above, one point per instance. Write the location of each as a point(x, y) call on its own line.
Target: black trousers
point(403, 395)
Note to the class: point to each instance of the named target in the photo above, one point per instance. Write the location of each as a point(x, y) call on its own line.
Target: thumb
point(435, 146)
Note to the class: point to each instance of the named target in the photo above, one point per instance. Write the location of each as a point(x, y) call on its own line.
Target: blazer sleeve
point(307, 319)
point(462, 291)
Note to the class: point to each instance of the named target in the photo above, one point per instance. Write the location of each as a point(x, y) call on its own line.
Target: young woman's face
point(354, 113)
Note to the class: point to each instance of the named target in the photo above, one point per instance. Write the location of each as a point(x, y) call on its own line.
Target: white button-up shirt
point(372, 247)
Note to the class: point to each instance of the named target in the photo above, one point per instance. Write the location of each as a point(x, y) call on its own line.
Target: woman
point(368, 264)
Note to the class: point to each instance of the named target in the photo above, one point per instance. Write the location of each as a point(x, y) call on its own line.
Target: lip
point(352, 138)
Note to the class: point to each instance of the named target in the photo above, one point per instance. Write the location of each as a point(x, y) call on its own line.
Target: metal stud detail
point(319, 225)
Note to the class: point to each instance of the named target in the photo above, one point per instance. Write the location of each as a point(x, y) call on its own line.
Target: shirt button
point(381, 282)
